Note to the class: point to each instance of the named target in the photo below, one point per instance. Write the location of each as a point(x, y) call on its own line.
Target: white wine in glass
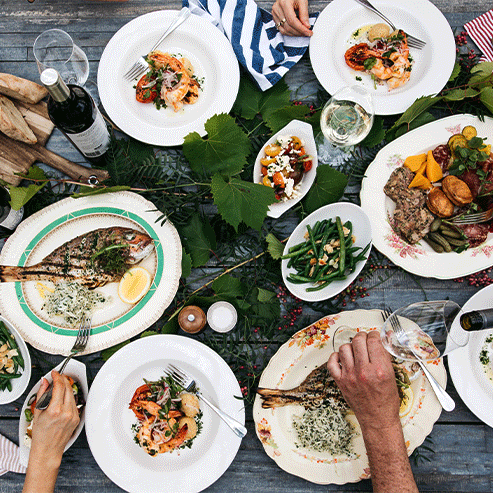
point(346, 120)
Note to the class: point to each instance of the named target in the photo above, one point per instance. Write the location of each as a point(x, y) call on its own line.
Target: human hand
point(363, 372)
point(287, 22)
point(53, 427)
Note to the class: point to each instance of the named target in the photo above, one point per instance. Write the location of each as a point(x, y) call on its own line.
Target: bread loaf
point(13, 124)
point(22, 89)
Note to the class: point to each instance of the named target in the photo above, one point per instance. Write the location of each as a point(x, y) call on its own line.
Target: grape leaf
point(227, 285)
point(247, 103)
point(314, 121)
point(486, 97)
point(482, 72)
point(455, 72)
point(422, 119)
point(460, 94)
point(224, 150)
point(239, 200)
point(265, 296)
point(278, 96)
point(186, 264)
point(20, 196)
point(200, 240)
point(327, 189)
point(419, 106)
point(275, 247)
point(280, 118)
point(89, 191)
point(107, 353)
point(147, 333)
point(376, 135)
point(262, 307)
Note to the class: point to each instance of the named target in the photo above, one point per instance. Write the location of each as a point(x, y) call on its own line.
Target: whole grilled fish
point(317, 387)
point(83, 259)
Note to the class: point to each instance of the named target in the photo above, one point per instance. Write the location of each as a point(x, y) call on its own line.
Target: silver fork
point(478, 217)
point(141, 66)
point(189, 384)
point(445, 400)
point(79, 346)
point(411, 40)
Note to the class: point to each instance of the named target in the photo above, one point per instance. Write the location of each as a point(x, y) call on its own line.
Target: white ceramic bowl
point(74, 369)
point(20, 384)
point(304, 131)
point(362, 232)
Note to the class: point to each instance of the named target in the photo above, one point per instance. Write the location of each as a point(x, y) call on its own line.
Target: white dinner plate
point(18, 384)
point(109, 420)
point(304, 131)
point(419, 258)
point(361, 231)
point(306, 350)
point(432, 65)
point(470, 380)
point(40, 234)
point(197, 39)
point(75, 369)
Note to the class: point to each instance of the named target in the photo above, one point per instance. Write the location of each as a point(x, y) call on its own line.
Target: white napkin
point(9, 457)
point(480, 30)
point(258, 45)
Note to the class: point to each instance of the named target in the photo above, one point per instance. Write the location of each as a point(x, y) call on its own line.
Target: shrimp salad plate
point(24, 302)
point(339, 27)
point(310, 448)
point(109, 421)
point(419, 258)
point(209, 56)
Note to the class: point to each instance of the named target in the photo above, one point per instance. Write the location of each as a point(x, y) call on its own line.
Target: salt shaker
point(221, 316)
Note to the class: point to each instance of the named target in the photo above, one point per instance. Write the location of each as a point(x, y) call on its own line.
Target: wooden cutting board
point(17, 157)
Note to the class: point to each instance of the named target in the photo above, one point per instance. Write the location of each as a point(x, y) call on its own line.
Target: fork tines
point(415, 42)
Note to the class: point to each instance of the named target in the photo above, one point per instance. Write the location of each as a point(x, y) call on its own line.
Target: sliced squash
point(415, 162)
point(469, 132)
point(433, 169)
point(456, 140)
point(420, 181)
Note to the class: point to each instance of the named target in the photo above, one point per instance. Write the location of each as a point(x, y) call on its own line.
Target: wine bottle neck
point(477, 320)
point(58, 90)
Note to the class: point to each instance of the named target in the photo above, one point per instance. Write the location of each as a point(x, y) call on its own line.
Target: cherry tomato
point(264, 170)
point(307, 165)
point(278, 179)
point(145, 95)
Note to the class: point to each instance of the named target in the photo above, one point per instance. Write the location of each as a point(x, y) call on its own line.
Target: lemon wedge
point(134, 285)
point(407, 402)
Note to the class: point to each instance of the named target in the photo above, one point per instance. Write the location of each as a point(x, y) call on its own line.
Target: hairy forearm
point(389, 463)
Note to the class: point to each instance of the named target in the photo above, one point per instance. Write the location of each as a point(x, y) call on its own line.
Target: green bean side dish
point(326, 255)
point(6, 378)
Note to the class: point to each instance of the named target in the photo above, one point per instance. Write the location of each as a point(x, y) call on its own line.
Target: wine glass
point(423, 331)
point(346, 119)
point(56, 49)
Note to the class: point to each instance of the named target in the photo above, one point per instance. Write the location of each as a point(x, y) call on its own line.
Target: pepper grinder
point(192, 319)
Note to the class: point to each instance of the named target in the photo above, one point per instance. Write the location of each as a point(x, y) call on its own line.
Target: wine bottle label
point(94, 141)
point(12, 219)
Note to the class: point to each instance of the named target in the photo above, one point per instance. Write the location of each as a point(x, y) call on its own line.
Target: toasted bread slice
point(13, 124)
point(22, 89)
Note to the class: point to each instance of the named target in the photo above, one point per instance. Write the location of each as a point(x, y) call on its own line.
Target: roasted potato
point(456, 190)
point(439, 203)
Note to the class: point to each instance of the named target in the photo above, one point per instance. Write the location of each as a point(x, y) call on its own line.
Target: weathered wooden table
point(463, 458)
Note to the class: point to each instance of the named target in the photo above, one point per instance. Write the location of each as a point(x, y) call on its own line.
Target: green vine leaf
point(224, 150)
point(247, 103)
point(481, 72)
point(280, 118)
point(265, 296)
point(455, 72)
point(376, 134)
point(327, 189)
point(419, 106)
point(275, 247)
point(277, 97)
point(263, 307)
point(20, 196)
point(201, 240)
point(422, 119)
point(89, 191)
point(227, 285)
point(239, 200)
point(460, 94)
point(186, 264)
point(486, 98)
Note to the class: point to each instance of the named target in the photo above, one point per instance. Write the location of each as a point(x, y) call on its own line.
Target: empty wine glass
point(346, 120)
point(424, 331)
point(56, 49)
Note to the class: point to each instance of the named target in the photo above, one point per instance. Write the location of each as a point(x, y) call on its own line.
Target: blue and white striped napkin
point(258, 45)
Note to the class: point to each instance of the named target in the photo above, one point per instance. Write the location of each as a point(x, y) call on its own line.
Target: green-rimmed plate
point(43, 232)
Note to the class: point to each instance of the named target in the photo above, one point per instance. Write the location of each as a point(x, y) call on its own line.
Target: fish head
point(140, 244)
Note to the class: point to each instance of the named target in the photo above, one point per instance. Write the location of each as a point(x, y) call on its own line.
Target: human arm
point(364, 374)
point(293, 25)
point(52, 429)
